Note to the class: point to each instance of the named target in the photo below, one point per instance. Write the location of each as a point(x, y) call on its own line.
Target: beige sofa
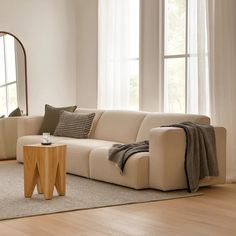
point(161, 168)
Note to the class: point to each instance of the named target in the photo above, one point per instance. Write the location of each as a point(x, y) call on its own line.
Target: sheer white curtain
point(114, 53)
point(198, 62)
point(212, 70)
point(223, 75)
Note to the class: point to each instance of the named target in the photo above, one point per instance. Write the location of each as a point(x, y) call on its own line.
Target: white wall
point(47, 29)
point(87, 58)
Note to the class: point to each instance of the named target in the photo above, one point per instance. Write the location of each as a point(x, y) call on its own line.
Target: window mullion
point(7, 84)
point(176, 56)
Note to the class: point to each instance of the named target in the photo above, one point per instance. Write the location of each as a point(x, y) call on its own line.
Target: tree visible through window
point(8, 90)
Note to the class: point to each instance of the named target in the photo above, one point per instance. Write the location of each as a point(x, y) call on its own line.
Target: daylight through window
point(118, 59)
point(186, 62)
point(8, 90)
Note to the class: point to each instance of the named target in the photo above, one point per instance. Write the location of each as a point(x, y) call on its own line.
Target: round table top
point(45, 146)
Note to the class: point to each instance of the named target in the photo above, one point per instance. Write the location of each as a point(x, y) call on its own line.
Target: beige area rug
point(81, 193)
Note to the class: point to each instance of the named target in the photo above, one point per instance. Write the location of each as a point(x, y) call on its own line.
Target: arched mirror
point(13, 75)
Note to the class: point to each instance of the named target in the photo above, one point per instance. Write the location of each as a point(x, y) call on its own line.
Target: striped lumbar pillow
point(74, 125)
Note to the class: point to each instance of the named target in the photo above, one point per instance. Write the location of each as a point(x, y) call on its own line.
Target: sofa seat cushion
point(136, 171)
point(78, 151)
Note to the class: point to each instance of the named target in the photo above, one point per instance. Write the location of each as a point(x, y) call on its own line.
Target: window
point(175, 55)
point(118, 59)
point(185, 56)
point(8, 90)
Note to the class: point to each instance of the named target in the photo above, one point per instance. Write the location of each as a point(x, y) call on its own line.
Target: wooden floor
point(211, 214)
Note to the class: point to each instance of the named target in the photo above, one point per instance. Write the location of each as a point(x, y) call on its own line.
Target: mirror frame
point(24, 51)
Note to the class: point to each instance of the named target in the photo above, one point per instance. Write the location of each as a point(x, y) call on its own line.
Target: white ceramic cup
point(46, 137)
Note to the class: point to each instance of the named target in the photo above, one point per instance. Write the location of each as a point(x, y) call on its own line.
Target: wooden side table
point(44, 166)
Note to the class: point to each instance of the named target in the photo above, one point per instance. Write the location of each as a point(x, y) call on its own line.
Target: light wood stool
point(44, 166)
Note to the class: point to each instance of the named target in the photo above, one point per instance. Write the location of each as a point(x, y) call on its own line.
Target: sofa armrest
point(8, 137)
point(29, 125)
point(167, 157)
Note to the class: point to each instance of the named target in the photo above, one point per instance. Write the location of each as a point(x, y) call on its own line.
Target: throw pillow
point(74, 125)
point(16, 112)
point(51, 118)
point(2, 116)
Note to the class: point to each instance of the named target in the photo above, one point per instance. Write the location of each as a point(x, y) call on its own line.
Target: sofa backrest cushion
point(153, 120)
point(98, 114)
point(119, 126)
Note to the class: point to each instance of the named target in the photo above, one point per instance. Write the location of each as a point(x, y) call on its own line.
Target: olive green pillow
point(16, 112)
point(51, 118)
point(2, 116)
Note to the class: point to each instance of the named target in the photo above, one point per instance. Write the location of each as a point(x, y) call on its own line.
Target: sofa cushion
point(16, 112)
point(51, 118)
point(98, 114)
point(119, 126)
point(78, 151)
point(74, 125)
point(154, 120)
point(135, 175)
